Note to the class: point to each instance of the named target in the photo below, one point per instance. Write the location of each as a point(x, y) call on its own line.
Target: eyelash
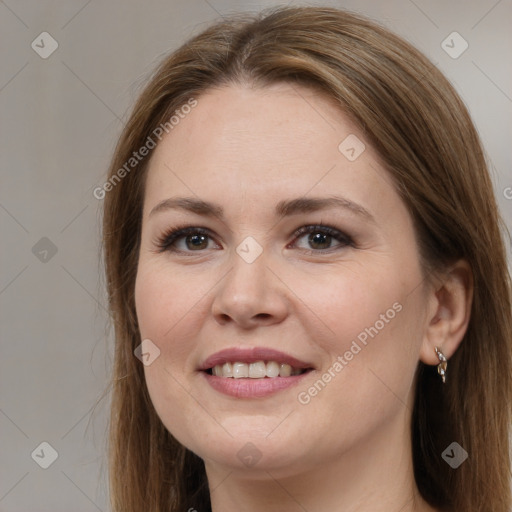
point(166, 241)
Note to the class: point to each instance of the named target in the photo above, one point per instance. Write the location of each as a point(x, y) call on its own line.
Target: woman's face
point(299, 253)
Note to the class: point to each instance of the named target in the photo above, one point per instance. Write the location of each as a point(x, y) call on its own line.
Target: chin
point(252, 447)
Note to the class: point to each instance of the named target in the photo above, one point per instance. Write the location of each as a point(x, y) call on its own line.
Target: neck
point(373, 475)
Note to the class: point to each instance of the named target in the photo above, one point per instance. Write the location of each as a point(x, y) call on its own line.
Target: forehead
point(278, 117)
point(264, 143)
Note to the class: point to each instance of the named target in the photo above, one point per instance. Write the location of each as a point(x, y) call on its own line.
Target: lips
point(249, 355)
point(247, 385)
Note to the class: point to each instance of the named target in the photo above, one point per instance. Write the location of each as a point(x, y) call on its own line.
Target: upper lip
point(252, 355)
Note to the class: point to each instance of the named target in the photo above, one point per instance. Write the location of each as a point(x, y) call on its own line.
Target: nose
point(250, 295)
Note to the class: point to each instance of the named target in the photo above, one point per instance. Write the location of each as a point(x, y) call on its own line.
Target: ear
point(449, 312)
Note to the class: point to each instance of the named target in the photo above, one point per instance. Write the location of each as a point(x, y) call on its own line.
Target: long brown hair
point(420, 127)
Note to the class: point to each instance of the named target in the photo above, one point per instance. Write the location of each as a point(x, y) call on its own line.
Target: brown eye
point(319, 240)
point(195, 242)
point(186, 240)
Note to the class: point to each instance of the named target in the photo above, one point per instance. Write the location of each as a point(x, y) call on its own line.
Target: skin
point(348, 449)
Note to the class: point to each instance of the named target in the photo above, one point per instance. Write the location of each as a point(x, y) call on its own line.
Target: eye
point(185, 239)
point(319, 238)
point(312, 239)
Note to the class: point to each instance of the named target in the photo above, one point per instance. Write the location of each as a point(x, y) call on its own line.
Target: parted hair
point(428, 144)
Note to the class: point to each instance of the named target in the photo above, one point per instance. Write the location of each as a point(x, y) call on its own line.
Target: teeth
point(258, 370)
point(272, 369)
point(285, 370)
point(226, 370)
point(240, 370)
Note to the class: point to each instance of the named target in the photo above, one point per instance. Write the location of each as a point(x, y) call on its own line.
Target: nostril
point(262, 316)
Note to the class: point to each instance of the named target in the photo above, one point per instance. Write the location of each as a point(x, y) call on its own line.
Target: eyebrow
point(283, 208)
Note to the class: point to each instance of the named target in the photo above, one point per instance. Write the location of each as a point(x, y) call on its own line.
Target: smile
point(253, 372)
point(257, 370)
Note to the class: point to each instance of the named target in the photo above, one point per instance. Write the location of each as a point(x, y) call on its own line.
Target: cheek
point(164, 299)
point(346, 301)
point(371, 317)
point(165, 302)
point(373, 352)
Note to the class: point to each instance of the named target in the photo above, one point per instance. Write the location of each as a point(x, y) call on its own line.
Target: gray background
point(60, 118)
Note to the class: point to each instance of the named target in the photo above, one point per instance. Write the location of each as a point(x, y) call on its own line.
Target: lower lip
point(252, 388)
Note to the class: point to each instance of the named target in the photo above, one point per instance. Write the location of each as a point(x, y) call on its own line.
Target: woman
point(303, 248)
